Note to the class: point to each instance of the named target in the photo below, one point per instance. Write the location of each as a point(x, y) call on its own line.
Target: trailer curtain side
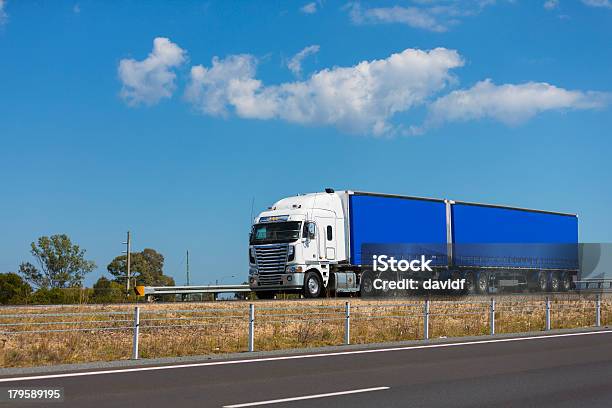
point(481, 235)
point(489, 236)
point(380, 220)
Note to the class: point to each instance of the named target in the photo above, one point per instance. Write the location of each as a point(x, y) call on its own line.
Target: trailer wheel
point(470, 283)
point(386, 291)
point(313, 286)
point(566, 282)
point(555, 282)
point(542, 282)
point(482, 283)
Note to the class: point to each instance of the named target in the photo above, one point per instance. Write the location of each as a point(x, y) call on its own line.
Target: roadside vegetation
point(184, 329)
point(58, 267)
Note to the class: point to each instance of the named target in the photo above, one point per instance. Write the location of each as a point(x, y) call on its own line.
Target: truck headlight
point(251, 255)
point(291, 253)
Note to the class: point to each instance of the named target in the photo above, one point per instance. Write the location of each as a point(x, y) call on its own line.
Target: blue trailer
point(492, 247)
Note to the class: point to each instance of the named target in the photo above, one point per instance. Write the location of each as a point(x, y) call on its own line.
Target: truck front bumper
point(283, 282)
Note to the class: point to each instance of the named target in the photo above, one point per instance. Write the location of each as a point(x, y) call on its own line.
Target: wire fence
point(37, 336)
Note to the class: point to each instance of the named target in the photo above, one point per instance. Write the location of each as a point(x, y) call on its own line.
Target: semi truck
point(323, 243)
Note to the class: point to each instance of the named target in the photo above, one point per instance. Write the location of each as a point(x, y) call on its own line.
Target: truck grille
point(271, 261)
point(270, 280)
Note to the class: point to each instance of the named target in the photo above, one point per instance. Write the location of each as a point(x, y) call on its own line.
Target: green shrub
point(13, 289)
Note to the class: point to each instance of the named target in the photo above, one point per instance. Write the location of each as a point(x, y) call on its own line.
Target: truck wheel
point(542, 282)
point(482, 283)
point(555, 282)
point(566, 282)
point(313, 286)
point(366, 285)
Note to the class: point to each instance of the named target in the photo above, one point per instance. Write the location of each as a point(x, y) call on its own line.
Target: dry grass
point(222, 327)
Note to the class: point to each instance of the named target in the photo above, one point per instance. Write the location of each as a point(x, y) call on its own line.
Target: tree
point(13, 289)
point(107, 291)
point(146, 267)
point(53, 296)
point(62, 264)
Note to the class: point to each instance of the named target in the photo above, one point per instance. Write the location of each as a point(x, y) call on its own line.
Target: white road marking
point(305, 397)
point(296, 357)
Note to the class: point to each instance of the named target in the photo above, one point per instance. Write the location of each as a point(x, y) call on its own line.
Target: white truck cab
point(294, 245)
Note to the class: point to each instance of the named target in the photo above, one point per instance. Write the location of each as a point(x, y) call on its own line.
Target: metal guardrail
point(603, 285)
point(185, 290)
point(142, 319)
point(586, 285)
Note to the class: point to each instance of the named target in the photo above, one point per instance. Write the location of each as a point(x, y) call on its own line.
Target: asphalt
point(562, 370)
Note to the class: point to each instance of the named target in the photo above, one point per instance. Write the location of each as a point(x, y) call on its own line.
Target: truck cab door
point(310, 238)
point(327, 238)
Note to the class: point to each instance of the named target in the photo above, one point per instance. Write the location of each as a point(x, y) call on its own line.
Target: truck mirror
point(311, 230)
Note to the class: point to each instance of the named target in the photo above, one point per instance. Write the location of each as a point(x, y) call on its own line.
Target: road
point(562, 370)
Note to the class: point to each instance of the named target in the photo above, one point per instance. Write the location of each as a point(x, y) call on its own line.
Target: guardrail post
point(426, 321)
point(547, 313)
point(492, 316)
point(136, 332)
point(598, 311)
point(347, 324)
point(251, 327)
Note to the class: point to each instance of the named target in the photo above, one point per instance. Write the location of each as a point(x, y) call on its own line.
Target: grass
point(222, 327)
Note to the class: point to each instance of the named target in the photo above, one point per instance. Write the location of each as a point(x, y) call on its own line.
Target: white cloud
point(598, 3)
point(412, 16)
point(3, 15)
point(210, 88)
point(508, 103)
point(295, 63)
point(152, 79)
point(551, 4)
point(432, 15)
point(358, 99)
point(363, 99)
point(309, 8)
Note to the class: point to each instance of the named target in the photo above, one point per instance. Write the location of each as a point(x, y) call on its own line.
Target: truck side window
point(329, 233)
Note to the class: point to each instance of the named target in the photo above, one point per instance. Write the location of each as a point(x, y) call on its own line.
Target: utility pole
point(128, 245)
point(187, 267)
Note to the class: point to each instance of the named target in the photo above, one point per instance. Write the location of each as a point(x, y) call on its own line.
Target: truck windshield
point(275, 232)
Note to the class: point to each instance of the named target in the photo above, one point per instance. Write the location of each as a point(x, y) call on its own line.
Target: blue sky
point(503, 102)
